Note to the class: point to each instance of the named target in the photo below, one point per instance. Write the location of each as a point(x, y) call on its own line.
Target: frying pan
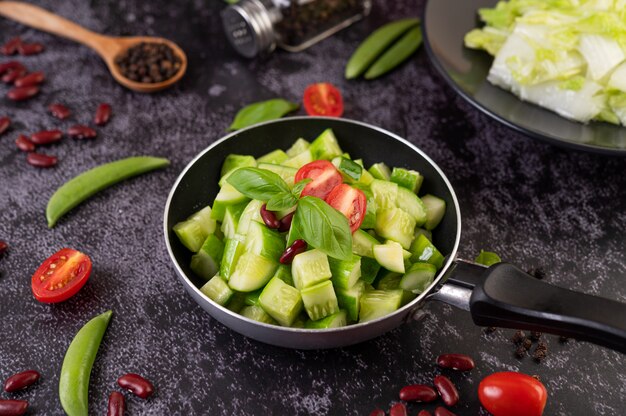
point(501, 295)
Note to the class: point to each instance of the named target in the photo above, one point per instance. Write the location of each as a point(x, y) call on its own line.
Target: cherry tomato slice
point(512, 394)
point(324, 175)
point(350, 202)
point(60, 276)
point(323, 99)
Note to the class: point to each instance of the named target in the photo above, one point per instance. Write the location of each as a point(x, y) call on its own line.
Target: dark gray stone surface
point(535, 204)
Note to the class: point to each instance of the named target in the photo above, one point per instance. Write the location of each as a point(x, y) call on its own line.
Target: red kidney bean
point(13, 407)
point(285, 222)
point(460, 362)
point(442, 411)
point(9, 66)
point(377, 412)
point(59, 111)
point(23, 93)
point(136, 384)
point(3, 247)
point(5, 123)
point(11, 76)
point(21, 380)
point(29, 48)
point(79, 131)
point(46, 136)
point(269, 218)
point(103, 114)
point(418, 393)
point(448, 392)
point(424, 413)
point(398, 409)
point(292, 251)
point(40, 160)
point(24, 144)
point(116, 404)
point(34, 78)
point(10, 47)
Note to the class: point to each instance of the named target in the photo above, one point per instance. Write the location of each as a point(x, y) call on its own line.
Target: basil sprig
point(266, 186)
point(323, 227)
point(262, 111)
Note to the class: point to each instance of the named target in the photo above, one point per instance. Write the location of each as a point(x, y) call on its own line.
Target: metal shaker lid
point(248, 27)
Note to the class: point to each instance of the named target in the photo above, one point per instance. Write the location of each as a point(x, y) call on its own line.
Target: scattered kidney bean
point(13, 407)
point(11, 76)
point(3, 247)
point(23, 93)
point(46, 136)
point(5, 123)
point(24, 144)
point(285, 222)
point(103, 114)
point(269, 218)
point(377, 412)
point(442, 411)
point(34, 78)
point(29, 48)
point(418, 393)
point(40, 160)
point(10, 47)
point(296, 248)
point(136, 384)
point(460, 362)
point(116, 404)
point(424, 413)
point(21, 380)
point(448, 392)
point(398, 409)
point(59, 111)
point(10, 66)
point(80, 131)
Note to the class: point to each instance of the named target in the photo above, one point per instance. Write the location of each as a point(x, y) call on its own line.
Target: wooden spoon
point(108, 47)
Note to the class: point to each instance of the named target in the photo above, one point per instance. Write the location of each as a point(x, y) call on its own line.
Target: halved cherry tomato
point(350, 202)
point(512, 394)
point(324, 175)
point(61, 275)
point(323, 99)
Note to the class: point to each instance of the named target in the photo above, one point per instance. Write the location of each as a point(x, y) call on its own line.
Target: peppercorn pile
point(149, 62)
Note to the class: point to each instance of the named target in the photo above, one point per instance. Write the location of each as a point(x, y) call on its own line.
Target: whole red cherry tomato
point(512, 394)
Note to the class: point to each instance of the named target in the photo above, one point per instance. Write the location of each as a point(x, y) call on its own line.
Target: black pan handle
point(505, 296)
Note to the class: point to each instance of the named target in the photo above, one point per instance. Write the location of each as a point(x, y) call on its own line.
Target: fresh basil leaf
point(262, 111)
point(258, 184)
point(281, 201)
point(297, 188)
point(487, 258)
point(323, 227)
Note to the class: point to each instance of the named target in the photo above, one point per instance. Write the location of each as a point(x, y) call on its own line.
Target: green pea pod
point(398, 53)
point(262, 111)
point(375, 44)
point(76, 369)
point(88, 183)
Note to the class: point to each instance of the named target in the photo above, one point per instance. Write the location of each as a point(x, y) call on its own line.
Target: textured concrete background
point(534, 204)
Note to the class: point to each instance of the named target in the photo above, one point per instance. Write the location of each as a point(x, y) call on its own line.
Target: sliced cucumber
point(237, 302)
point(233, 162)
point(300, 321)
point(299, 160)
point(325, 146)
point(194, 230)
point(366, 177)
point(276, 157)
point(284, 273)
point(363, 244)
point(380, 171)
point(231, 219)
point(227, 196)
point(233, 249)
point(264, 242)
point(252, 298)
point(217, 290)
point(397, 225)
point(369, 221)
point(408, 179)
point(410, 203)
point(435, 208)
point(252, 272)
point(385, 193)
point(350, 170)
point(418, 277)
point(309, 268)
point(281, 301)
point(388, 280)
point(335, 320)
point(350, 299)
point(390, 256)
point(251, 213)
point(205, 263)
point(256, 313)
point(320, 300)
point(298, 147)
point(424, 250)
point(418, 232)
point(369, 269)
point(288, 174)
point(345, 272)
point(378, 303)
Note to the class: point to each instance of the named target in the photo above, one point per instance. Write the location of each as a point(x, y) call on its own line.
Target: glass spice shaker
point(256, 27)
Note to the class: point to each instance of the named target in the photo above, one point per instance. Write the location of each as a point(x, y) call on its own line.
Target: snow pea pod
point(398, 53)
point(375, 44)
point(83, 186)
point(76, 369)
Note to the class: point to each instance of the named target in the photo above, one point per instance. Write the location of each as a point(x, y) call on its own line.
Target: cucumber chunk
point(231, 219)
point(435, 208)
point(309, 268)
point(227, 196)
point(410, 203)
point(252, 272)
point(388, 280)
point(369, 221)
point(369, 269)
point(236, 303)
point(380, 171)
point(276, 157)
point(350, 299)
point(252, 212)
point(206, 262)
point(299, 160)
point(378, 303)
point(390, 256)
point(298, 147)
point(264, 242)
point(335, 320)
point(424, 250)
point(284, 273)
point(350, 171)
point(345, 272)
point(320, 300)
point(234, 161)
point(233, 249)
point(366, 177)
point(418, 232)
point(397, 225)
point(418, 277)
point(408, 179)
point(363, 244)
point(325, 146)
point(194, 230)
point(252, 298)
point(281, 301)
point(288, 174)
point(385, 193)
point(256, 313)
point(217, 290)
